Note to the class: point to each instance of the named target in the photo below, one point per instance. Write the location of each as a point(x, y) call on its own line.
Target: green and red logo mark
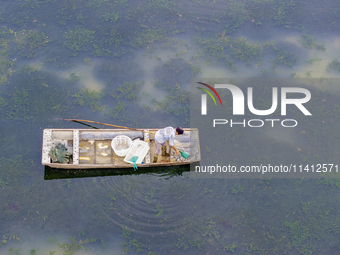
point(207, 91)
point(204, 97)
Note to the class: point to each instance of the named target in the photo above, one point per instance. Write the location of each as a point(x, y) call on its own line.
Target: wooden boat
point(91, 148)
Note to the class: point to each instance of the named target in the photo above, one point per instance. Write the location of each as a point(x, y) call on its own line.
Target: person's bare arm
point(177, 152)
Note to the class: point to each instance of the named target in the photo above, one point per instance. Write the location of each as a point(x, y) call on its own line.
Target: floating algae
point(59, 154)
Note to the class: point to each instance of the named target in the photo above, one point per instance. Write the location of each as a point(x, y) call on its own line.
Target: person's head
point(179, 131)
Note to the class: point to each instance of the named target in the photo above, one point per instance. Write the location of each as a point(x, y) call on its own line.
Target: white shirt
point(166, 134)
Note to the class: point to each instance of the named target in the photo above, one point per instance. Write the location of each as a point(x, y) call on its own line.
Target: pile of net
point(59, 154)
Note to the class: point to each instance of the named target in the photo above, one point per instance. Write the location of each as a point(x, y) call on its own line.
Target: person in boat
point(165, 135)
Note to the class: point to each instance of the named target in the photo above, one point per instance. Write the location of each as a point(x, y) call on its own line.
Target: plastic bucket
point(121, 145)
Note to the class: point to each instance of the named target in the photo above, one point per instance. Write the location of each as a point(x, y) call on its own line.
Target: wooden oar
point(105, 124)
point(86, 124)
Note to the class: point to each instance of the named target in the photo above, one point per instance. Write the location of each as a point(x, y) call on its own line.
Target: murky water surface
point(130, 63)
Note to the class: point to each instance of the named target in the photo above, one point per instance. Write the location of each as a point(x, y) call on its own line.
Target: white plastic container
point(139, 149)
point(121, 145)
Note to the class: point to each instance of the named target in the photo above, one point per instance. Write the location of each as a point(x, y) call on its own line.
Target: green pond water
point(136, 63)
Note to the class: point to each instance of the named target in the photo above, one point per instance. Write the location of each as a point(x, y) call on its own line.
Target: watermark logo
point(239, 102)
point(204, 97)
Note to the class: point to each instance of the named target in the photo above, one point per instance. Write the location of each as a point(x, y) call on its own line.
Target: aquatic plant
point(125, 233)
point(3, 102)
point(336, 109)
point(73, 78)
point(238, 189)
point(158, 210)
point(80, 18)
point(329, 179)
point(112, 197)
point(6, 64)
point(74, 246)
point(65, 13)
point(305, 206)
point(285, 58)
point(209, 230)
point(9, 237)
point(35, 86)
point(217, 48)
point(148, 36)
point(253, 249)
point(12, 169)
point(27, 69)
point(115, 37)
point(280, 15)
point(214, 18)
point(113, 17)
point(86, 97)
point(33, 251)
point(176, 102)
point(311, 61)
point(95, 4)
point(5, 69)
point(122, 3)
point(245, 51)
point(196, 243)
point(214, 46)
point(2, 183)
point(101, 52)
point(118, 111)
point(14, 251)
point(20, 104)
point(297, 232)
point(310, 42)
point(309, 74)
point(335, 65)
point(236, 14)
point(130, 242)
point(163, 5)
point(173, 43)
point(20, 20)
point(87, 60)
point(231, 247)
point(79, 39)
point(127, 91)
point(62, 65)
point(102, 243)
point(28, 42)
point(150, 195)
point(136, 245)
point(181, 244)
point(52, 240)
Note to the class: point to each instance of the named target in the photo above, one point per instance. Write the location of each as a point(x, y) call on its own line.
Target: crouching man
point(165, 135)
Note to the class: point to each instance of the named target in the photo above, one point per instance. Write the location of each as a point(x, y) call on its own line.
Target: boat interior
point(95, 146)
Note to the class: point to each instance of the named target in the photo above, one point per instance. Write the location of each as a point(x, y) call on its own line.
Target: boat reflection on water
point(170, 171)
